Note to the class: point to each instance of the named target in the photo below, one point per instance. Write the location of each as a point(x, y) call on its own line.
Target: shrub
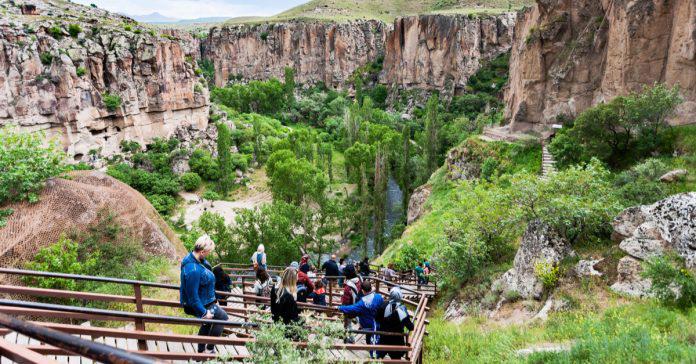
point(547, 273)
point(640, 185)
point(408, 257)
point(205, 165)
point(111, 101)
point(26, 162)
point(130, 146)
point(80, 71)
point(127, 27)
point(61, 257)
point(164, 204)
point(211, 195)
point(672, 283)
point(191, 181)
point(165, 185)
point(46, 58)
point(264, 36)
point(56, 32)
point(74, 30)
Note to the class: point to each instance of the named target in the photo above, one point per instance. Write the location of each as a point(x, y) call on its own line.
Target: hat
point(295, 265)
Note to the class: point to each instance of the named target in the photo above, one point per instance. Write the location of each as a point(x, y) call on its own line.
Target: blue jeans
point(211, 329)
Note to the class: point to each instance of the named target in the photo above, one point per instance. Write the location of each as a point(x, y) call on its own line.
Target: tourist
point(351, 295)
point(426, 270)
point(366, 309)
point(312, 274)
point(304, 284)
point(197, 290)
point(263, 284)
point(392, 316)
point(283, 298)
point(258, 259)
point(389, 273)
point(223, 283)
point(420, 273)
point(304, 260)
point(341, 269)
point(330, 268)
point(319, 294)
point(365, 267)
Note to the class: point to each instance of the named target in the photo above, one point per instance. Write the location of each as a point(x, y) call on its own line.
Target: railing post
point(330, 292)
point(139, 323)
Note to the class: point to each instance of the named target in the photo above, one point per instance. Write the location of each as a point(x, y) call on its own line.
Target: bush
point(130, 146)
point(547, 273)
point(80, 71)
point(56, 32)
point(203, 163)
point(61, 257)
point(672, 283)
point(46, 58)
point(26, 162)
point(74, 30)
point(111, 101)
point(164, 204)
point(408, 258)
point(640, 185)
point(191, 181)
point(211, 195)
point(264, 97)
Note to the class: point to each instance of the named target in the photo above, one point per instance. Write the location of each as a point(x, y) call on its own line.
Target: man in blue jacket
point(366, 309)
point(197, 290)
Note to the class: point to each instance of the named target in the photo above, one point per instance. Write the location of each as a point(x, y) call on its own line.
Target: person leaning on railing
point(197, 290)
point(392, 316)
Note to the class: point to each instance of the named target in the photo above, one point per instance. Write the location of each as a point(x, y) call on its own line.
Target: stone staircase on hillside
point(548, 165)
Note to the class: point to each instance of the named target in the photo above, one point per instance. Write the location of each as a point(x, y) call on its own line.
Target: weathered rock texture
point(416, 204)
point(442, 51)
point(67, 206)
point(53, 81)
point(428, 51)
point(319, 52)
point(570, 55)
point(539, 244)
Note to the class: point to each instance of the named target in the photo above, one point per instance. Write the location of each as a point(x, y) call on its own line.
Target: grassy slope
point(385, 10)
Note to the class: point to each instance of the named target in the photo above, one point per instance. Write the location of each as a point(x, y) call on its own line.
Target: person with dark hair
point(263, 284)
point(197, 291)
point(365, 267)
point(420, 273)
point(366, 309)
point(304, 284)
point(392, 316)
point(351, 295)
point(223, 283)
point(319, 294)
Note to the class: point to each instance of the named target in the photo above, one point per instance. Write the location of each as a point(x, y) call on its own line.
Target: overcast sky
point(191, 9)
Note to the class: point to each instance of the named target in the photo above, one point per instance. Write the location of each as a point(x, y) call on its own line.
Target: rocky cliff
point(442, 51)
point(319, 52)
point(426, 52)
point(59, 60)
point(569, 55)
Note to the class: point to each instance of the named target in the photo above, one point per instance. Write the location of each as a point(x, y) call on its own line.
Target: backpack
point(258, 258)
point(353, 289)
point(302, 292)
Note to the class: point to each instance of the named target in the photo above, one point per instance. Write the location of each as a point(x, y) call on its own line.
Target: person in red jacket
point(304, 284)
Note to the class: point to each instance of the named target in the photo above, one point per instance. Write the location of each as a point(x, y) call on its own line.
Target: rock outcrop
point(539, 244)
point(75, 204)
point(570, 55)
point(319, 52)
point(442, 51)
point(58, 64)
point(416, 204)
point(427, 52)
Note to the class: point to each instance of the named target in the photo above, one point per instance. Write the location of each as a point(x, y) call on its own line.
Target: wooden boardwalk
point(135, 335)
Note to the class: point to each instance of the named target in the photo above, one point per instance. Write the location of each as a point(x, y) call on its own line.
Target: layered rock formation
point(427, 52)
point(442, 51)
point(570, 55)
point(319, 52)
point(67, 206)
point(58, 62)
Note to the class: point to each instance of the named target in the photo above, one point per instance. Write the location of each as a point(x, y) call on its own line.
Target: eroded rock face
point(427, 52)
point(539, 244)
point(416, 204)
point(442, 51)
point(629, 280)
point(319, 52)
point(650, 230)
point(570, 55)
point(54, 81)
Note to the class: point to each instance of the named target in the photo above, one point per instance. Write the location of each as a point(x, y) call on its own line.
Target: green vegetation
point(27, 160)
point(46, 58)
point(264, 97)
point(80, 71)
point(672, 283)
point(74, 30)
point(111, 101)
point(56, 32)
point(191, 181)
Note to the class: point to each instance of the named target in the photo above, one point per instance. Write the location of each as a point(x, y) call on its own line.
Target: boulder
point(417, 202)
point(586, 268)
point(539, 244)
point(650, 230)
point(674, 176)
point(629, 281)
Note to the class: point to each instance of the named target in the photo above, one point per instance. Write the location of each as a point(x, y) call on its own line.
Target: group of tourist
point(296, 284)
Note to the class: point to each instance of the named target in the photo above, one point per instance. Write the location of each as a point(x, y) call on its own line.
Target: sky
point(191, 9)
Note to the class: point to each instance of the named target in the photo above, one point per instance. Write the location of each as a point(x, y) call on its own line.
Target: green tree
point(380, 197)
point(358, 84)
point(224, 143)
point(27, 160)
point(405, 171)
point(297, 181)
point(289, 86)
point(432, 126)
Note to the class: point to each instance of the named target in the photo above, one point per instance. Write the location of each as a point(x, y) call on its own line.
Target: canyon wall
point(427, 52)
point(319, 52)
point(58, 60)
point(569, 55)
point(441, 51)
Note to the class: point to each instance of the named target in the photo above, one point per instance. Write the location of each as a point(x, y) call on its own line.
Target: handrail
point(73, 344)
point(84, 277)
